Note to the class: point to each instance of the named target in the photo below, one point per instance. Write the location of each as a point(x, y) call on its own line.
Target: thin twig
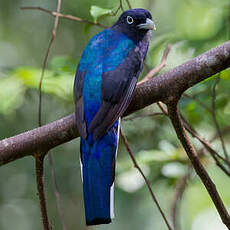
point(213, 110)
point(158, 68)
point(57, 195)
point(67, 16)
point(39, 160)
point(41, 176)
point(46, 58)
point(128, 3)
point(205, 143)
point(144, 177)
point(141, 116)
point(116, 11)
point(198, 102)
point(121, 5)
point(56, 192)
point(179, 191)
point(161, 106)
point(207, 146)
point(224, 131)
point(200, 170)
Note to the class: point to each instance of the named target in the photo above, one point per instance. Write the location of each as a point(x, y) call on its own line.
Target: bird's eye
point(129, 20)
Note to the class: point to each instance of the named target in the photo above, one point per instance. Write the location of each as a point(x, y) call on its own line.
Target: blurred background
point(191, 27)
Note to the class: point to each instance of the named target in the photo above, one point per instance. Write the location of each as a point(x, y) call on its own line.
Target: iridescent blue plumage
point(104, 53)
point(104, 84)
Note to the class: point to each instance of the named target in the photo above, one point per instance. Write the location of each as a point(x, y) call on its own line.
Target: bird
point(104, 84)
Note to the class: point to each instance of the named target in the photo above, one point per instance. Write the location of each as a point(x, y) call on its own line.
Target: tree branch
point(39, 166)
point(213, 112)
point(179, 191)
point(200, 170)
point(56, 191)
point(198, 102)
point(128, 3)
point(162, 88)
point(145, 178)
point(41, 191)
point(215, 155)
point(57, 195)
point(67, 16)
point(158, 68)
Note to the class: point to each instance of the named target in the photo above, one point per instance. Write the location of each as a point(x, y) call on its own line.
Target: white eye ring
point(129, 20)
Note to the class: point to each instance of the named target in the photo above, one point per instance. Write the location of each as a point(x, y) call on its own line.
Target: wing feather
point(114, 112)
point(117, 90)
point(78, 99)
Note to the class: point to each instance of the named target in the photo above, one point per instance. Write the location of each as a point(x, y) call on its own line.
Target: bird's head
point(135, 23)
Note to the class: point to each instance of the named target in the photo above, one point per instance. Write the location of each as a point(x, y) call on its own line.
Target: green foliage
point(98, 12)
point(200, 23)
point(11, 94)
point(12, 88)
point(225, 74)
point(54, 83)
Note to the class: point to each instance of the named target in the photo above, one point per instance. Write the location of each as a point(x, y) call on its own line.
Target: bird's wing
point(92, 56)
point(78, 99)
point(117, 89)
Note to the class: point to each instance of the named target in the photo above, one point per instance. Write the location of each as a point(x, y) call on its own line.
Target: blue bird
point(104, 84)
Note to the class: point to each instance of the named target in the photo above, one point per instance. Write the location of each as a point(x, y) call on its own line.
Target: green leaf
point(56, 84)
point(153, 156)
point(225, 74)
point(98, 12)
point(11, 94)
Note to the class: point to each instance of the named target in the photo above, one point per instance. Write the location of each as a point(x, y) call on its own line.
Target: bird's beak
point(148, 25)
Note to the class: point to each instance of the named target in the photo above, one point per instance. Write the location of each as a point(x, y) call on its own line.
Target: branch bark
point(164, 87)
point(200, 170)
point(39, 166)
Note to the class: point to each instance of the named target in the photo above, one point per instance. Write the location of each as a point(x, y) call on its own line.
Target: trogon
point(104, 84)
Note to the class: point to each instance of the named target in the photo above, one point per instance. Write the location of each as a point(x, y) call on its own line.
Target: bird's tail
point(98, 170)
